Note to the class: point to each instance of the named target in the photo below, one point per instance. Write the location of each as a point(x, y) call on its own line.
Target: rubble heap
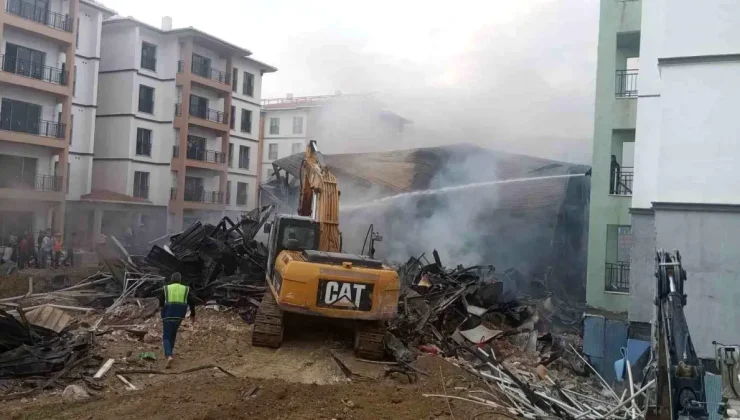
point(524, 345)
point(222, 263)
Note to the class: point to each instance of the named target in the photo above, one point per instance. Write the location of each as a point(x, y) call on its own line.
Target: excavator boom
point(319, 198)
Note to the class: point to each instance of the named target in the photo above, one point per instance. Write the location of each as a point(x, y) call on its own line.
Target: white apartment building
point(177, 132)
point(340, 123)
point(686, 174)
point(50, 52)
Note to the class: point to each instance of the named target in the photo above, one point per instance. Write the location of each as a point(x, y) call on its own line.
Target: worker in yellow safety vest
point(174, 301)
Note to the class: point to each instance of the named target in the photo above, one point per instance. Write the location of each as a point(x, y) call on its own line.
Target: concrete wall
point(118, 48)
point(701, 130)
point(708, 242)
point(712, 28)
point(642, 267)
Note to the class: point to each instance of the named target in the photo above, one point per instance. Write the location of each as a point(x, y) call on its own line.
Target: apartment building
point(177, 131)
point(686, 174)
point(664, 171)
point(339, 123)
point(49, 56)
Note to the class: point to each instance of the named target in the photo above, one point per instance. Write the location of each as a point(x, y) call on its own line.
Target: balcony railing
point(41, 15)
point(626, 84)
point(203, 196)
point(205, 71)
point(33, 70)
point(617, 277)
point(203, 155)
point(46, 183)
point(39, 128)
point(620, 180)
point(208, 114)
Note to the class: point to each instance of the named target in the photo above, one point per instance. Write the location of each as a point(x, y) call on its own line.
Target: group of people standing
point(45, 251)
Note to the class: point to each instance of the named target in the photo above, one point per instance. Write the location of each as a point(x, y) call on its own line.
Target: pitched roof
point(113, 197)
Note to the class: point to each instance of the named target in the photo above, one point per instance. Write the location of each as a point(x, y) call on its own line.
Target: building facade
point(688, 140)
point(177, 132)
point(340, 123)
point(48, 86)
point(680, 134)
point(609, 241)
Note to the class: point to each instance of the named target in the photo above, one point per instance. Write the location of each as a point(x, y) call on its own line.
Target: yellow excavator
point(307, 273)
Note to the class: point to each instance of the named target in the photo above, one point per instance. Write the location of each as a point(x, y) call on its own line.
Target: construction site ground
point(301, 380)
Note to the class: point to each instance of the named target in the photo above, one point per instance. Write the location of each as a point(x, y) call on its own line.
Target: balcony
point(37, 188)
point(37, 128)
point(625, 85)
point(173, 193)
point(206, 72)
point(202, 155)
point(40, 15)
point(204, 196)
point(205, 117)
point(617, 277)
point(620, 181)
point(33, 70)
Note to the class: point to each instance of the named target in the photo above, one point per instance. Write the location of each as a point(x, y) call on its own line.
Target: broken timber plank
point(104, 369)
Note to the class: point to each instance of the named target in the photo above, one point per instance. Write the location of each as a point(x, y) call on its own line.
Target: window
point(68, 172)
point(24, 117)
point(228, 192)
point(77, 35)
point(199, 106)
point(146, 99)
point(143, 142)
point(71, 127)
point(244, 157)
point(26, 62)
point(234, 78)
point(299, 238)
point(231, 154)
point(141, 184)
point(297, 125)
point(274, 125)
point(74, 84)
point(201, 66)
point(233, 116)
point(248, 84)
point(270, 173)
point(148, 56)
point(241, 193)
point(296, 148)
point(246, 121)
point(272, 151)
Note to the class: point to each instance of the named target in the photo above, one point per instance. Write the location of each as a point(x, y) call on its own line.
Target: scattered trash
point(147, 355)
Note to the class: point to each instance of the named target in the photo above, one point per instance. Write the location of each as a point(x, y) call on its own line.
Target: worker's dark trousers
point(169, 335)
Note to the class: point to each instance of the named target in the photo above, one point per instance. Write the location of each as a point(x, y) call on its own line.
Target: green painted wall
point(615, 16)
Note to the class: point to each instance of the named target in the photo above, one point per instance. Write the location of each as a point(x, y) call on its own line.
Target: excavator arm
point(680, 389)
point(319, 198)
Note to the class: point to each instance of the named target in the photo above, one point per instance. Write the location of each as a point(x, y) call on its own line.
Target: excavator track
point(267, 330)
point(369, 342)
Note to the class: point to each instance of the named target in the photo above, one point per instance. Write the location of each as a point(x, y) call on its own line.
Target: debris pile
point(524, 344)
point(221, 263)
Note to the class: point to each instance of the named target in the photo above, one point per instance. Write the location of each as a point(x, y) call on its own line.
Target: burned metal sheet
point(48, 317)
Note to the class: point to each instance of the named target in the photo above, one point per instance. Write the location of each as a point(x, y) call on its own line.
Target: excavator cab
point(291, 233)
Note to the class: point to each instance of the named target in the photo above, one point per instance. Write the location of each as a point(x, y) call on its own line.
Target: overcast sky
point(516, 75)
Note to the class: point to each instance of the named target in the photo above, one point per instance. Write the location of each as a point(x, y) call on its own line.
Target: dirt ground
point(301, 380)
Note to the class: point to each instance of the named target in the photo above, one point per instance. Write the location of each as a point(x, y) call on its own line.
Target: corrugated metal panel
point(713, 389)
point(615, 337)
point(49, 317)
point(593, 335)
